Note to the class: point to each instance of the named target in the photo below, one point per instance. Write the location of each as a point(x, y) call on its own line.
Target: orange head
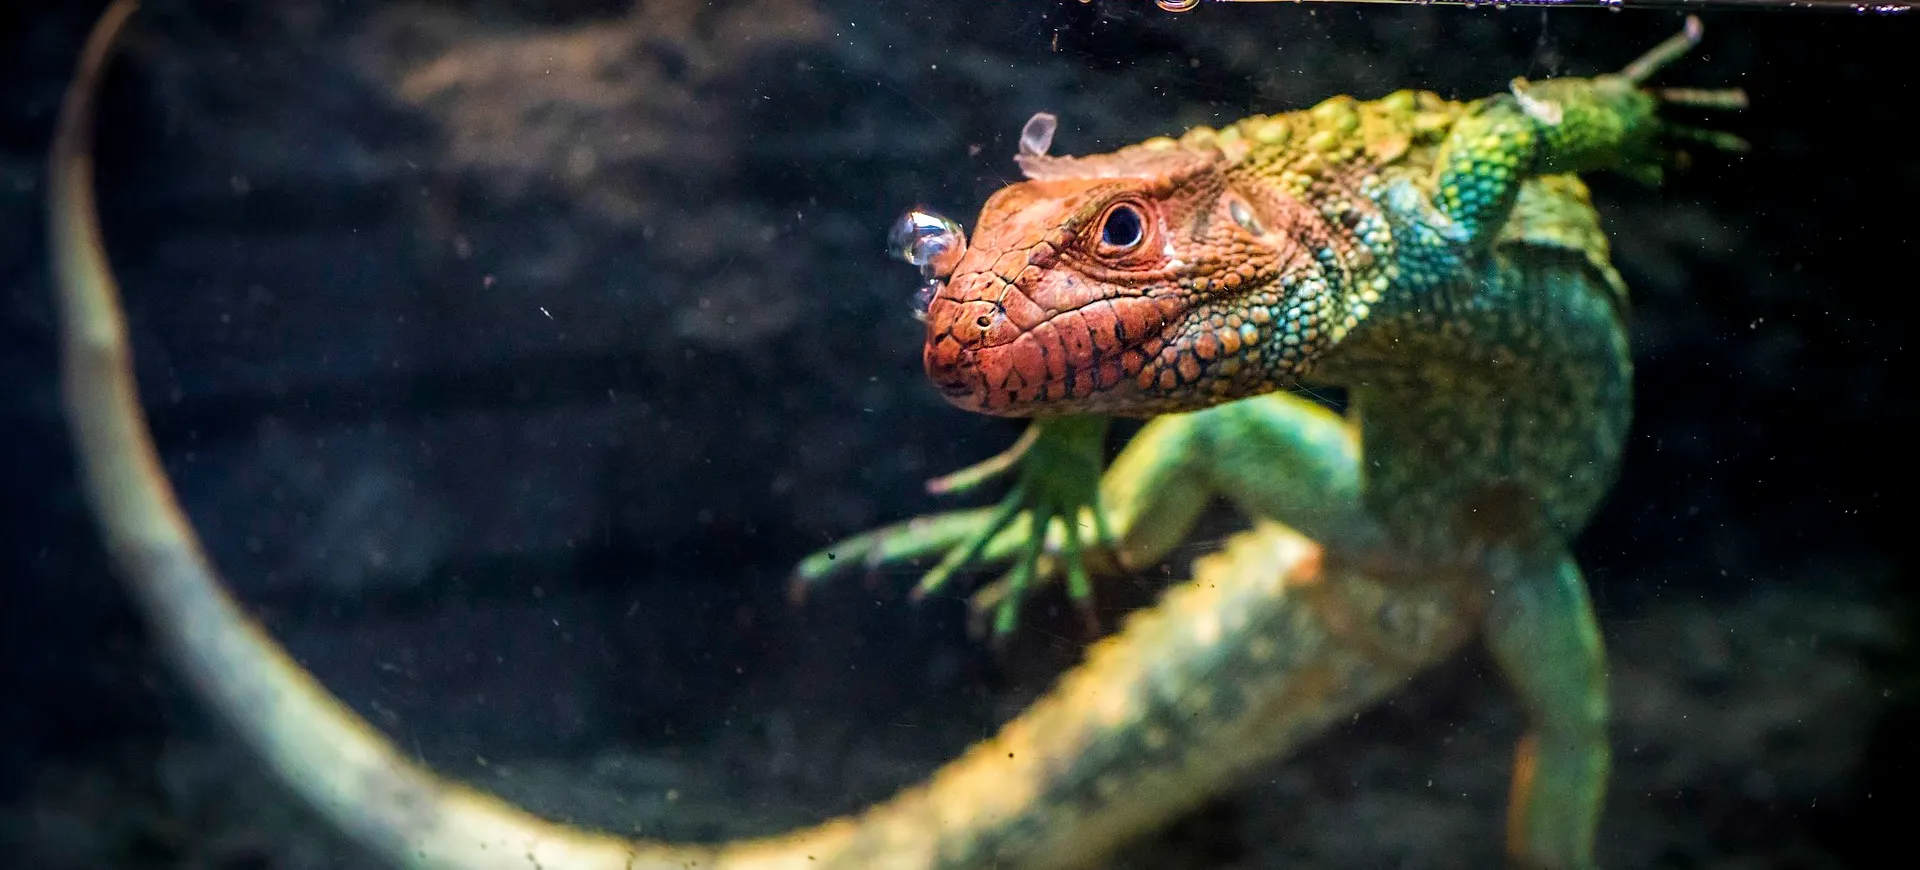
point(1130, 284)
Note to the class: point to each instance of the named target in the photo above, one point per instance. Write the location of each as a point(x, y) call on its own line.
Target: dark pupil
point(1123, 227)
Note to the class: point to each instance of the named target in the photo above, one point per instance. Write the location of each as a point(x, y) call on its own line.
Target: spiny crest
point(1155, 158)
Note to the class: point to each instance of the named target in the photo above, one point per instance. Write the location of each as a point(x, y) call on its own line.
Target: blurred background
point(508, 354)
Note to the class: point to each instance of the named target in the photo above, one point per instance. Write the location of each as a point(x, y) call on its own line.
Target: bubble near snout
point(928, 240)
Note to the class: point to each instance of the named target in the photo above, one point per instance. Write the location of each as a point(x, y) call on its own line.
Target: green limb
point(964, 556)
point(1718, 140)
point(1716, 99)
point(1575, 125)
point(972, 476)
point(1274, 456)
point(1059, 463)
point(1062, 550)
point(1541, 630)
point(1149, 499)
point(1079, 584)
point(1020, 579)
point(1277, 456)
point(1285, 458)
point(1156, 488)
point(1040, 526)
point(887, 545)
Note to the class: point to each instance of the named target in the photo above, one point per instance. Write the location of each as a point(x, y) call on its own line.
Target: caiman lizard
point(1438, 260)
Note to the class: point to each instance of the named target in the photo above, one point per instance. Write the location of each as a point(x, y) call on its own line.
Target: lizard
point(1439, 262)
point(1275, 640)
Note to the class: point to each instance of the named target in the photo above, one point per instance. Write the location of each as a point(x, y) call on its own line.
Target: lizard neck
point(1500, 395)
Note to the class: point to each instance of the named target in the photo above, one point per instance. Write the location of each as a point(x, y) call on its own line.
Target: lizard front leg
point(1278, 456)
point(1053, 516)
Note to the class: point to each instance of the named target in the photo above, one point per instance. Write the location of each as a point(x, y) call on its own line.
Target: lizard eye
point(1122, 229)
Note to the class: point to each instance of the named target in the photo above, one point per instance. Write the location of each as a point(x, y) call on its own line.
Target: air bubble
point(928, 240)
point(923, 298)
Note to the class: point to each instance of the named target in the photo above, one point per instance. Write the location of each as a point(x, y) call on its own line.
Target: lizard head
point(1147, 280)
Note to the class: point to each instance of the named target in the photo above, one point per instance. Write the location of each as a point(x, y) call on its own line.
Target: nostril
point(983, 321)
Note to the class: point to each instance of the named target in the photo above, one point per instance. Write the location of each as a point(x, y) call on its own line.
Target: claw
point(987, 597)
point(1020, 578)
point(1090, 622)
point(1718, 99)
point(1079, 585)
point(1646, 174)
point(1668, 51)
point(1715, 139)
point(809, 571)
point(986, 469)
point(1006, 618)
point(964, 555)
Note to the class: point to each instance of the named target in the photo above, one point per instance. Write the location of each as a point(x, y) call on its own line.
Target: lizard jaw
point(948, 360)
point(1010, 358)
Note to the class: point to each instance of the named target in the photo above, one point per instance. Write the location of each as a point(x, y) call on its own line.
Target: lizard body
point(1438, 261)
point(1278, 638)
point(1299, 249)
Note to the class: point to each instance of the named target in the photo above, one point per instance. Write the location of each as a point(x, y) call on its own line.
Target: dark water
point(508, 354)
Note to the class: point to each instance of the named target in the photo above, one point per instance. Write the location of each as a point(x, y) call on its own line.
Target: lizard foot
point(1047, 525)
point(1620, 114)
point(1672, 133)
point(1709, 99)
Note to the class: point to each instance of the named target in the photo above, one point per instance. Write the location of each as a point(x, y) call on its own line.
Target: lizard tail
point(332, 757)
point(1267, 651)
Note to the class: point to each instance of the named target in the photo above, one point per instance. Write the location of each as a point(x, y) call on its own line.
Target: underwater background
point(507, 355)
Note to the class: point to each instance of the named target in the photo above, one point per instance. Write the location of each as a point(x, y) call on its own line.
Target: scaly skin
point(1277, 639)
point(1438, 261)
